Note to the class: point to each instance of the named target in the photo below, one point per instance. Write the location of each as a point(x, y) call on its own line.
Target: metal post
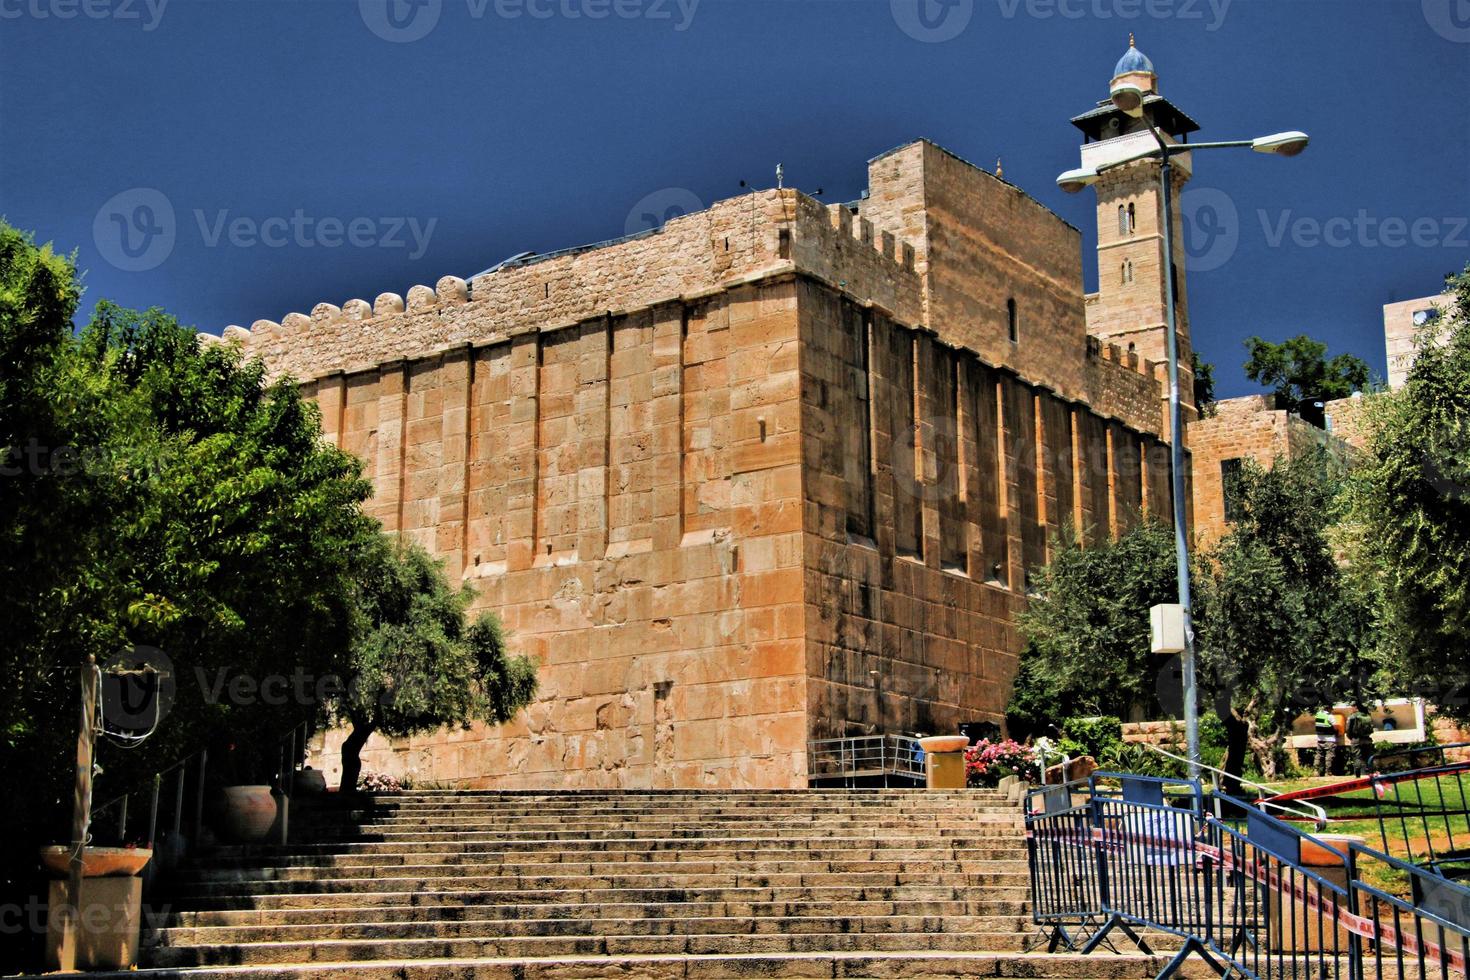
point(153, 809)
point(81, 817)
point(199, 796)
point(122, 821)
point(179, 799)
point(1176, 457)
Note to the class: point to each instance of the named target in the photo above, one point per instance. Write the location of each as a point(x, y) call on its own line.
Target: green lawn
point(1416, 813)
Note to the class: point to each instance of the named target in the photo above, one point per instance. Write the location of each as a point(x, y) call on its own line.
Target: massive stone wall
point(935, 485)
point(748, 480)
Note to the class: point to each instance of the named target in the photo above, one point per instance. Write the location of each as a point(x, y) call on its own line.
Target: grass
point(1421, 819)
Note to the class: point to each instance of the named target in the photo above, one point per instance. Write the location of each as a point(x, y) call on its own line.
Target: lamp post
point(1130, 99)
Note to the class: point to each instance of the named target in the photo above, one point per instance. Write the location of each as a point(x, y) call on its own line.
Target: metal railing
point(1245, 892)
point(865, 759)
point(1291, 809)
point(116, 822)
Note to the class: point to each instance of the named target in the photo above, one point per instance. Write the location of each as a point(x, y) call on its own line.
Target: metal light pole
point(1130, 100)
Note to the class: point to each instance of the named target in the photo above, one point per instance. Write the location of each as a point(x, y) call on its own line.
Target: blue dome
point(1133, 60)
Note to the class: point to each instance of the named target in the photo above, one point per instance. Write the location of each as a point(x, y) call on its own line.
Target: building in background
point(1402, 324)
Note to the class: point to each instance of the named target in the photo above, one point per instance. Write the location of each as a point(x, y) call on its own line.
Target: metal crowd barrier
point(1211, 877)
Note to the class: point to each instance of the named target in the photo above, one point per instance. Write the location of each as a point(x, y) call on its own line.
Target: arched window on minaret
point(1132, 219)
point(1122, 220)
point(1013, 321)
point(1127, 270)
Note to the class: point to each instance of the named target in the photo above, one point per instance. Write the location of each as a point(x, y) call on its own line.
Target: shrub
point(987, 763)
point(1095, 735)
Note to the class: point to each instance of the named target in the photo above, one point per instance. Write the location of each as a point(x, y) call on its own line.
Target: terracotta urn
point(309, 782)
point(944, 743)
point(246, 813)
point(97, 862)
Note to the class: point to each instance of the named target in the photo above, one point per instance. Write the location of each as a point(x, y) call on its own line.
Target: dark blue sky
point(315, 150)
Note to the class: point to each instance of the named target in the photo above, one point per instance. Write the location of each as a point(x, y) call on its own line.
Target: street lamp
point(1129, 99)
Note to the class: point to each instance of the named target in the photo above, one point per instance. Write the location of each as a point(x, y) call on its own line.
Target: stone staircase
point(866, 883)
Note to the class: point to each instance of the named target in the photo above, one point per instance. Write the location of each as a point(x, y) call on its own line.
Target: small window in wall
point(1013, 322)
point(1127, 270)
point(1122, 220)
point(1132, 219)
point(1229, 484)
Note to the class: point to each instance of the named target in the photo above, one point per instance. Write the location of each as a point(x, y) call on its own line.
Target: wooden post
point(81, 816)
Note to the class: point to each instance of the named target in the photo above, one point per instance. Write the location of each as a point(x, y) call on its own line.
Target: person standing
point(1326, 741)
point(1360, 733)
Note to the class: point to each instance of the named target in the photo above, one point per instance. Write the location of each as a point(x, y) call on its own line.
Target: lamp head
point(1074, 181)
point(1282, 144)
point(1128, 97)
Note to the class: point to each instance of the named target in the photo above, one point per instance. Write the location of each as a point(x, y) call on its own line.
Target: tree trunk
point(352, 755)
point(1265, 749)
point(1237, 744)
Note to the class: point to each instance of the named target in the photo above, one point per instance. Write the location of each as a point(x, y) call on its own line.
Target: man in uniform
point(1326, 741)
point(1360, 734)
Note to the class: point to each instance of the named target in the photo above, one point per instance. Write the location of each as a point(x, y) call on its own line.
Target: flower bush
point(379, 782)
point(987, 763)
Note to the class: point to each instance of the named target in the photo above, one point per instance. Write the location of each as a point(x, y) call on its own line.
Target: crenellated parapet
point(1125, 385)
point(734, 242)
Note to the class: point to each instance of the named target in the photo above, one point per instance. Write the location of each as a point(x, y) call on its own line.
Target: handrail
point(1312, 810)
point(857, 756)
point(285, 781)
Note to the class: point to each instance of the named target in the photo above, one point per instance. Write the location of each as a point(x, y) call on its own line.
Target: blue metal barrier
point(1245, 892)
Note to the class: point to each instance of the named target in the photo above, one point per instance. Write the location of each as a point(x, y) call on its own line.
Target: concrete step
point(975, 908)
point(338, 950)
point(636, 884)
point(688, 873)
point(996, 859)
point(380, 928)
point(936, 965)
point(307, 897)
point(643, 845)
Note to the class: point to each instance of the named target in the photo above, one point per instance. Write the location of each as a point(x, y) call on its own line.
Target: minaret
point(1129, 306)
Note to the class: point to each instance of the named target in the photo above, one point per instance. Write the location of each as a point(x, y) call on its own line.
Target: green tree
point(154, 492)
point(1298, 370)
point(1087, 631)
point(416, 664)
point(1411, 507)
point(1284, 628)
point(1204, 385)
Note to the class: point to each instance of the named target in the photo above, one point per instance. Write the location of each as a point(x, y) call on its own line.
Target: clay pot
point(245, 813)
point(309, 782)
point(97, 862)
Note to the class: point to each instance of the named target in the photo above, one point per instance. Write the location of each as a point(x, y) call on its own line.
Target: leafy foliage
point(1285, 630)
point(1411, 507)
point(1298, 369)
point(1204, 385)
point(1087, 635)
point(416, 665)
point(1096, 735)
point(157, 493)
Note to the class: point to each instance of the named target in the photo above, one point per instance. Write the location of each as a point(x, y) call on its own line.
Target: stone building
point(776, 472)
point(1254, 428)
point(1402, 324)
